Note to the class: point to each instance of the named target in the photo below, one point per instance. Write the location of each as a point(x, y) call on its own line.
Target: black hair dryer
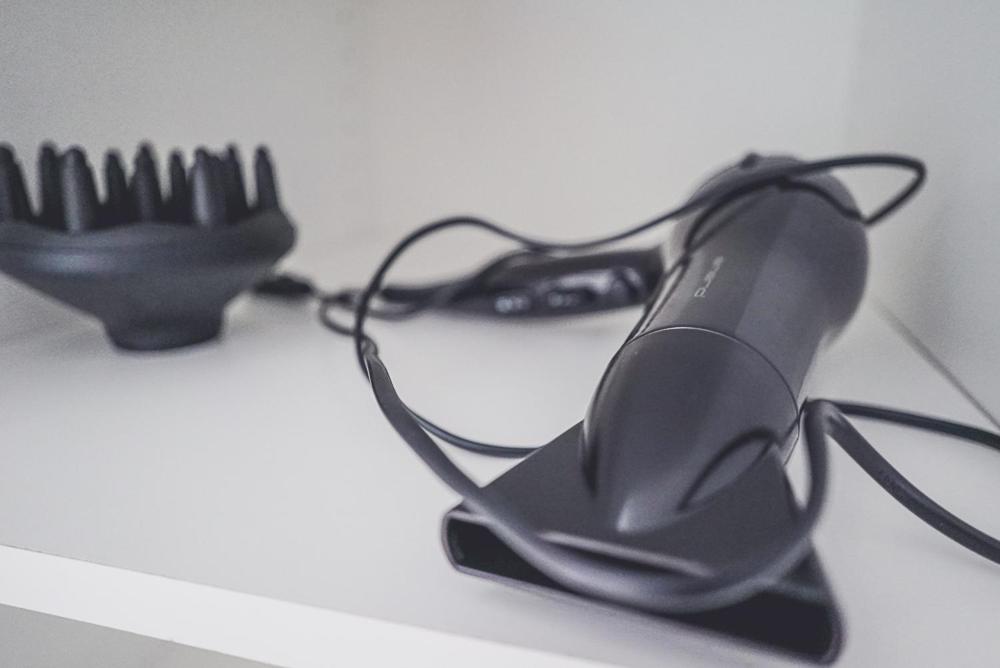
point(679, 463)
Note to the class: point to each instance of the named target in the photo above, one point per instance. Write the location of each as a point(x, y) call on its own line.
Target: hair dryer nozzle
point(796, 615)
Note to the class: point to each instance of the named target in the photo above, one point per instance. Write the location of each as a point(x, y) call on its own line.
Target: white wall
point(578, 117)
point(926, 82)
point(561, 117)
point(572, 118)
point(183, 73)
point(564, 118)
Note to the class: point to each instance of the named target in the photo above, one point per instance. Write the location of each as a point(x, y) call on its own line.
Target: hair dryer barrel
point(714, 372)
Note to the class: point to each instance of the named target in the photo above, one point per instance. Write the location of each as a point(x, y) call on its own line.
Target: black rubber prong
point(22, 201)
point(50, 187)
point(147, 200)
point(18, 191)
point(236, 193)
point(208, 201)
point(79, 193)
point(116, 203)
point(8, 200)
point(267, 186)
point(179, 204)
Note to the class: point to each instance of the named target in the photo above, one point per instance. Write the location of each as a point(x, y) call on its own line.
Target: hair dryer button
point(565, 299)
point(510, 303)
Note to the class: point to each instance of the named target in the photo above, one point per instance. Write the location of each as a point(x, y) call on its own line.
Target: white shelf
point(247, 497)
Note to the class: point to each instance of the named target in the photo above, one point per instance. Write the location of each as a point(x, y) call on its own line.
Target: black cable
point(673, 593)
point(648, 588)
point(651, 590)
point(892, 481)
point(709, 202)
point(704, 203)
point(396, 302)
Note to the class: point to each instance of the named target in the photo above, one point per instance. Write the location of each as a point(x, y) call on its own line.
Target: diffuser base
point(165, 336)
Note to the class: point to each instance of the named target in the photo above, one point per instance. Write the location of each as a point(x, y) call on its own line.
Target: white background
point(925, 81)
point(561, 118)
point(564, 118)
point(555, 117)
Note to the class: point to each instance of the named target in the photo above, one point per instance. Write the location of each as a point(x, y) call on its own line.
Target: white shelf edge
point(243, 625)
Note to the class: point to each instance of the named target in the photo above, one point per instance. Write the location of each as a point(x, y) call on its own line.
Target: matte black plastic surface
point(538, 286)
point(156, 270)
point(797, 615)
point(671, 467)
point(153, 285)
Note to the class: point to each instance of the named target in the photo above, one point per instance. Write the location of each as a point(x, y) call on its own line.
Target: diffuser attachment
point(156, 265)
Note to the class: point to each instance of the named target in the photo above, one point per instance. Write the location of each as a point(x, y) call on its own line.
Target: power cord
point(656, 590)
